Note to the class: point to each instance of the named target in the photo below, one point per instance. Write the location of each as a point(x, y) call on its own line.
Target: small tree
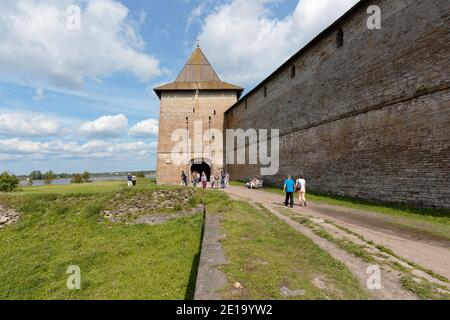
point(49, 176)
point(76, 178)
point(86, 177)
point(36, 175)
point(8, 182)
point(140, 174)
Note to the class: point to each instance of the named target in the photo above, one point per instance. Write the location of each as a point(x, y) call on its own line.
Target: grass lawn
point(435, 222)
point(59, 227)
point(265, 255)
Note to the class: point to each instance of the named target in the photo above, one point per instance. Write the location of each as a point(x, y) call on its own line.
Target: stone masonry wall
point(175, 107)
point(369, 119)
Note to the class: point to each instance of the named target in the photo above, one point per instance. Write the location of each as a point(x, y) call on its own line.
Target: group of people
point(290, 187)
point(217, 181)
point(132, 180)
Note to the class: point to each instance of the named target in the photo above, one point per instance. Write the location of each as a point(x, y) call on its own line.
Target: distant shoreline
point(65, 181)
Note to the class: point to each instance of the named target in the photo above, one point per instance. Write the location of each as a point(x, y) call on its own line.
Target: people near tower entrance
point(222, 179)
point(227, 180)
point(289, 189)
point(212, 180)
point(195, 178)
point(204, 179)
point(184, 179)
point(130, 180)
point(301, 188)
point(252, 184)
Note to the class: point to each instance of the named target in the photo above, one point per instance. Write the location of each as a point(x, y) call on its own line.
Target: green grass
point(431, 221)
point(60, 227)
point(86, 188)
point(265, 254)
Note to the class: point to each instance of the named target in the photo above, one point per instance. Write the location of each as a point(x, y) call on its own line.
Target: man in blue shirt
point(289, 188)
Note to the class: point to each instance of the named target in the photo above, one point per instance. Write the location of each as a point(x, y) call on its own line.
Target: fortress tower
point(197, 96)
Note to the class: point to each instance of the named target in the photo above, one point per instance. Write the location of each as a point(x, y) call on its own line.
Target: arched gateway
point(201, 165)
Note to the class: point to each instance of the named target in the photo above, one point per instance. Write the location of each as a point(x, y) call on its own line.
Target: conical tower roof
point(198, 74)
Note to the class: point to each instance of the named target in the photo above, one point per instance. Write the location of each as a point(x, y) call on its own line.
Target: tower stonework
point(196, 97)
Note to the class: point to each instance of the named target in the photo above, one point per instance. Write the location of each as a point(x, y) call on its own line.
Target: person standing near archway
point(204, 179)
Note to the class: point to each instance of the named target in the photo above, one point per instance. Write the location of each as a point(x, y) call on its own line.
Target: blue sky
point(82, 99)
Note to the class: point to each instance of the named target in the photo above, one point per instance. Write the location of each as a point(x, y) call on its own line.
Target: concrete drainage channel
point(209, 278)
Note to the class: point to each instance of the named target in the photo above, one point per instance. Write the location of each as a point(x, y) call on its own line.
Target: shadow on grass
point(190, 289)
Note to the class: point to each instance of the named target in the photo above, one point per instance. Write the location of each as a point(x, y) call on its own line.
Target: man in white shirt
point(301, 187)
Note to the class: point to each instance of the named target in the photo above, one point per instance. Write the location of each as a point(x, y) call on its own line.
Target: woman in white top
point(204, 179)
point(301, 187)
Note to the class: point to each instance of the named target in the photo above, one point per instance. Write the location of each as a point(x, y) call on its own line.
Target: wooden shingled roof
point(198, 74)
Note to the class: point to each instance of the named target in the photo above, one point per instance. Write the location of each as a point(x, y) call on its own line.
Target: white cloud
point(246, 43)
point(39, 95)
point(20, 124)
point(106, 126)
point(16, 149)
point(145, 128)
point(36, 45)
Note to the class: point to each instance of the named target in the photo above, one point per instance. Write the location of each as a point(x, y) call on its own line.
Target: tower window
point(292, 72)
point(215, 112)
point(265, 91)
point(193, 110)
point(339, 38)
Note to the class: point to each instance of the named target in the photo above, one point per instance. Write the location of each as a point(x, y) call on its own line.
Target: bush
point(49, 176)
point(86, 177)
point(77, 178)
point(140, 174)
point(8, 182)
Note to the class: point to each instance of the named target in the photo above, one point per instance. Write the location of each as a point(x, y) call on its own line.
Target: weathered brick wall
point(370, 119)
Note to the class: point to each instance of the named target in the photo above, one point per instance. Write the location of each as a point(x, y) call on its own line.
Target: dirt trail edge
point(360, 248)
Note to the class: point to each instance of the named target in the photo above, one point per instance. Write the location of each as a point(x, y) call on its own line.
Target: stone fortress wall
point(368, 119)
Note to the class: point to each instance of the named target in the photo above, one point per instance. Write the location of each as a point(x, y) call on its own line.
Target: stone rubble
point(8, 216)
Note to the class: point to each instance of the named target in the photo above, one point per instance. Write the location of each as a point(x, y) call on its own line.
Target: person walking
point(130, 180)
point(212, 179)
point(204, 180)
point(184, 179)
point(222, 180)
point(301, 187)
point(289, 189)
point(194, 179)
point(134, 181)
point(227, 180)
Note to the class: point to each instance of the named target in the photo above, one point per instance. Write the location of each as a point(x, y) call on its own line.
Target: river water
point(67, 181)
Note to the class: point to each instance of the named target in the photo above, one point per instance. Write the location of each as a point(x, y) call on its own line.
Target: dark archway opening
point(201, 167)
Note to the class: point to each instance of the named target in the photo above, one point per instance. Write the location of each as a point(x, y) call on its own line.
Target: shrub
point(77, 178)
point(140, 174)
point(86, 177)
point(49, 176)
point(8, 182)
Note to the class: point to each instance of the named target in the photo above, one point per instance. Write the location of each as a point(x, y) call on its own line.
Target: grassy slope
point(265, 255)
point(435, 222)
point(118, 261)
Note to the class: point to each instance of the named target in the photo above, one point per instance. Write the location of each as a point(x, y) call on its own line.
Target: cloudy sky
point(77, 97)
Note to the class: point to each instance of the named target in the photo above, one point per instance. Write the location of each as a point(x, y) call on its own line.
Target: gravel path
point(428, 252)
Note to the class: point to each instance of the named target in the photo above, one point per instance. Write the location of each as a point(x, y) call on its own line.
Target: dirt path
point(428, 252)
